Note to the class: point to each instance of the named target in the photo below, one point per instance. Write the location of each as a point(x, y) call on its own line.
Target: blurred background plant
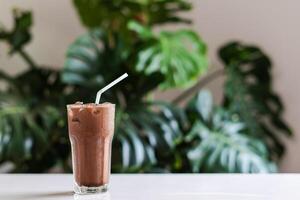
point(242, 134)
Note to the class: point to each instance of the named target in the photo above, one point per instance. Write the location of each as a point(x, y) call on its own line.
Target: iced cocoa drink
point(91, 129)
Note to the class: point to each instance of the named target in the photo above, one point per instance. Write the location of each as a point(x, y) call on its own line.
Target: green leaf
point(20, 35)
point(116, 14)
point(126, 151)
point(92, 12)
point(221, 142)
point(23, 19)
point(32, 119)
point(146, 137)
point(138, 146)
point(87, 61)
point(227, 152)
point(180, 56)
point(142, 31)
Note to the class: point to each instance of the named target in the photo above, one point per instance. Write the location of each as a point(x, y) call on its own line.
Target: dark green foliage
point(32, 125)
point(32, 122)
point(92, 63)
point(145, 138)
point(249, 95)
point(20, 34)
point(237, 136)
point(115, 14)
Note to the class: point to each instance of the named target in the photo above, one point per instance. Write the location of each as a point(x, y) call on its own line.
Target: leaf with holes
point(180, 56)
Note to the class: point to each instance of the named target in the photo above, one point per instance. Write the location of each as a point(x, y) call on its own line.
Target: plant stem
point(27, 58)
point(5, 76)
point(201, 83)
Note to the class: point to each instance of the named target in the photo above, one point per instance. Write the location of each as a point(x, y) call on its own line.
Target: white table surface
point(156, 187)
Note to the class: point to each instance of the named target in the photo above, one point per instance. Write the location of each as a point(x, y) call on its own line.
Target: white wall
point(272, 24)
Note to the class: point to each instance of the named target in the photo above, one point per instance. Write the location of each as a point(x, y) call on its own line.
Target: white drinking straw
point(99, 93)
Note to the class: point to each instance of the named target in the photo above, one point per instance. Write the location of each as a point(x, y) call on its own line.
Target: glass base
point(99, 196)
point(90, 190)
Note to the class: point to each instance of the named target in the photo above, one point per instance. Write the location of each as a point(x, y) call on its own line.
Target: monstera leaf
point(33, 134)
point(92, 62)
point(115, 14)
point(25, 136)
point(143, 137)
point(227, 152)
point(13, 143)
point(84, 60)
point(221, 143)
point(180, 56)
point(244, 135)
point(250, 96)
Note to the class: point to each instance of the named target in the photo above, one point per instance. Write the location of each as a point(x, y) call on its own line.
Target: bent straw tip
point(109, 86)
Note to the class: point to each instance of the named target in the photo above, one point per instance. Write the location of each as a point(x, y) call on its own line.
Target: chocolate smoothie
point(91, 129)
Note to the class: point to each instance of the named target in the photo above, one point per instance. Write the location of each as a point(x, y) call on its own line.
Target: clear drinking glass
point(91, 129)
